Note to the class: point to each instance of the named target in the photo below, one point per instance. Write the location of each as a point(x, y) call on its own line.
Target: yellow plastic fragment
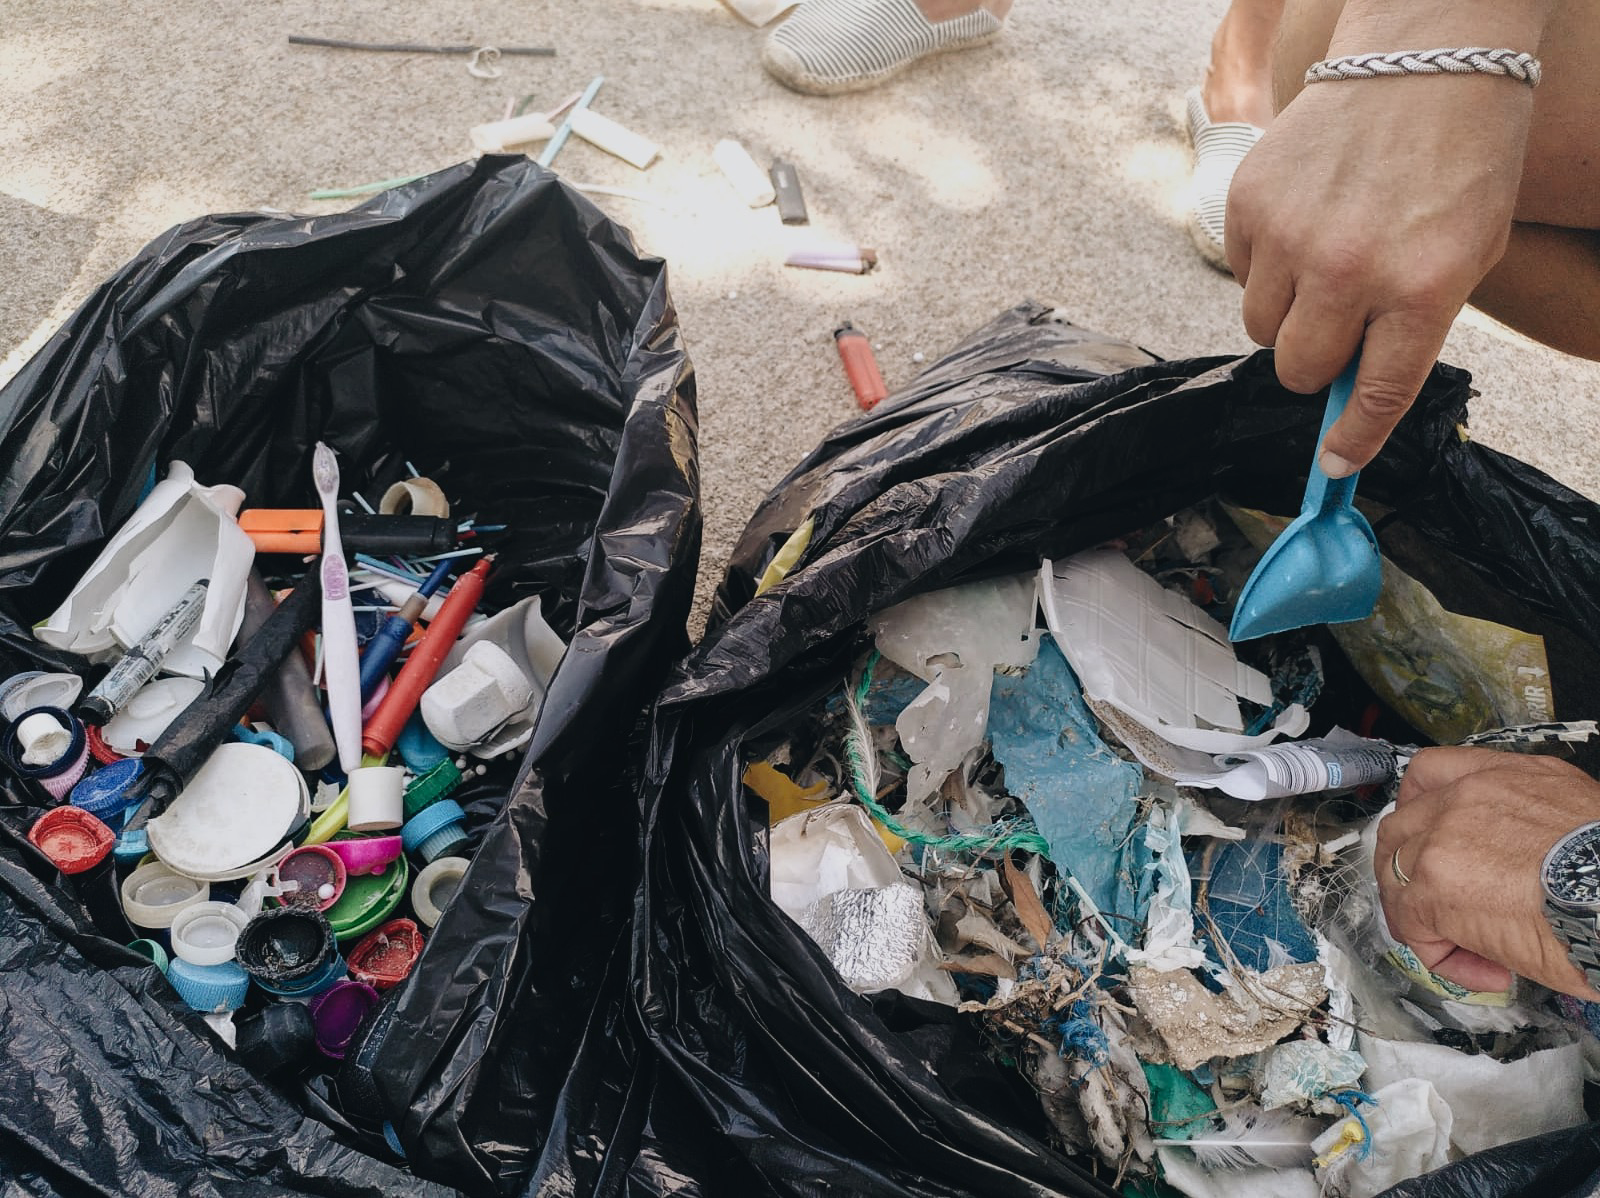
point(787, 556)
point(785, 798)
point(1350, 1136)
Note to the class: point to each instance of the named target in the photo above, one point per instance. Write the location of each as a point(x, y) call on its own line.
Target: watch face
point(1572, 870)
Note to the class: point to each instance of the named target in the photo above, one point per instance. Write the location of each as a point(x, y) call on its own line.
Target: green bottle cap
point(432, 786)
point(368, 899)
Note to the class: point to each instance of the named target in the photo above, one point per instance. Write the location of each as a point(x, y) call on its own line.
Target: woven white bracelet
point(1471, 60)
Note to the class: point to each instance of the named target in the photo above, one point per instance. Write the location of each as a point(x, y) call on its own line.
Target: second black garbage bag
point(493, 329)
point(728, 1056)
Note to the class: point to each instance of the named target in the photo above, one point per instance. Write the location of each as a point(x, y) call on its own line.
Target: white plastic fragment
point(1491, 1102)
point(469, 703)
point(35, 688)
point(521, 631)
point(1410, 1128)
point(181, 533)
point(603, 133)
point(762, 12)
point(496, 137)
point(751, 182)
point(832, 875)
point(1154, 656)
point(1169, 926)
point(954, 640)
point(149, 712)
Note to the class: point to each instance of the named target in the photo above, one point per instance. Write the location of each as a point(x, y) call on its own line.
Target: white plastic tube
point(605, 134)
point(496, 136)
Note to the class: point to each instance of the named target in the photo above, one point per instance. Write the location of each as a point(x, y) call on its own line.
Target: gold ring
point(1399, 874)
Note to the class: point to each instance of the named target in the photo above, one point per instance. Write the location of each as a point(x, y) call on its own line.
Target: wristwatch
point(1571, 880)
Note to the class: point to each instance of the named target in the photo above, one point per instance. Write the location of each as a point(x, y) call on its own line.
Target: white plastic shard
point(1154, 656)
point(181, 533)
point(954, 640)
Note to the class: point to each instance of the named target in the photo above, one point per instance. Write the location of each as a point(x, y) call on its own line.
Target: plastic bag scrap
point(724, 1018)
point(495, 329)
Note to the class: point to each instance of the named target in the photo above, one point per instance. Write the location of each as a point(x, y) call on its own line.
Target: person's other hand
point(1472, 828)
point(1363, 219)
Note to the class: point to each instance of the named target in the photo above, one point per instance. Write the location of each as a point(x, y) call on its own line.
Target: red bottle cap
point(72, 838)
point(385, 955)
point(98, 749)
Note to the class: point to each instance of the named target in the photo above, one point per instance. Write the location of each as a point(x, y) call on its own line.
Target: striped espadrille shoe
point(832, 46)
point(1219, 148)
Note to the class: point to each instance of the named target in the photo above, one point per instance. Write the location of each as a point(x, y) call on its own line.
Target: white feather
point(861, 746)
point(1254, 1139)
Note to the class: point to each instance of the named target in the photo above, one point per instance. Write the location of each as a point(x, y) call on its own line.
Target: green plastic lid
point(432, 786)
point(368, 899)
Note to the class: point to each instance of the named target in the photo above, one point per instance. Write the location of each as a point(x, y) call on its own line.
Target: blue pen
point(383, 648)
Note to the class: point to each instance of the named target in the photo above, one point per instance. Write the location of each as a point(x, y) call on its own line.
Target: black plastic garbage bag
point(493, 328)
point(1033, 438)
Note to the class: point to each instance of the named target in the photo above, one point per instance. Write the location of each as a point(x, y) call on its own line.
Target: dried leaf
point(990, 965)
point(1030, 910)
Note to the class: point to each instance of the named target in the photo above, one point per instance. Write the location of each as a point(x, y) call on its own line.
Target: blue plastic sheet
point(1083, 797)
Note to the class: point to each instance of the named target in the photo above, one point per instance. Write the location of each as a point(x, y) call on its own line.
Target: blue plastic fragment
point(1082, 796)
point(1248, 898)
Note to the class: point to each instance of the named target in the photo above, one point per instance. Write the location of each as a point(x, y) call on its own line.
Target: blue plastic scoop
point(1325, 567)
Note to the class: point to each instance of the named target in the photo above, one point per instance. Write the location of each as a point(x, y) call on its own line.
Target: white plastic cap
point(207, 933)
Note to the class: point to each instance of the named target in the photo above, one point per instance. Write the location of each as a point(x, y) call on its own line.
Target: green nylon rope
point(1000, 837)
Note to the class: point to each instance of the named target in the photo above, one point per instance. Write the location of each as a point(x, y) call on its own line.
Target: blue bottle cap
point(418, 747)
point(209, 988)
point(432, 819)
point(104, 793)
point(442, 843)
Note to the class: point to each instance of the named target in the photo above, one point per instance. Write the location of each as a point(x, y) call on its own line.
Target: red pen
point(860, 367)
point(418, 673)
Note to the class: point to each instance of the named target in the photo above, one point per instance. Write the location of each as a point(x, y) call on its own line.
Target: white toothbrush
point(341, 664)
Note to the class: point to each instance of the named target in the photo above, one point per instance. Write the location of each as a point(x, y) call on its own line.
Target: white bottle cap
point(153, 895)
point(377, 798)
point(44, 739)
point(207, 933)
point(435, 887)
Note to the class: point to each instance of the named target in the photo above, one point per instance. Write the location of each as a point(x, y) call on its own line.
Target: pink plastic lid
point(368, 855)
point(320, 875)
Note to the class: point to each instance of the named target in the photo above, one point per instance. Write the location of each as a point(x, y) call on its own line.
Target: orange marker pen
point(421, 667)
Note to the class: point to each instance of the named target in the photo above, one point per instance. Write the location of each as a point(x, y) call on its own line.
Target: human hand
point(1472, 828)
point(1364, 219)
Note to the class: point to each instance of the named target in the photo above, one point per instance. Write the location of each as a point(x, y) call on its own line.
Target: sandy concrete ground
point(1006, 172)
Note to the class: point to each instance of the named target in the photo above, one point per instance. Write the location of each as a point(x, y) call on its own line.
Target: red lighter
point(860, 367)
